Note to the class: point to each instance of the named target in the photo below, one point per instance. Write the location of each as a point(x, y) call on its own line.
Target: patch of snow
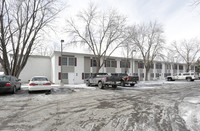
point(194, 100)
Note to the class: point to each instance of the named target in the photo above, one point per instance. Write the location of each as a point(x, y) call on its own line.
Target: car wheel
point(29, 92)
point(122, 83)
point(114, 86)
point(132, 84)
point(189, 79)
point(169, 79)
point(87, 83)
point(14, 90)
point(100, 85)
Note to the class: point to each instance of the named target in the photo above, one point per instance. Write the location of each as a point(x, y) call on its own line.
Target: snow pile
point(189, 111)
point(74, 86)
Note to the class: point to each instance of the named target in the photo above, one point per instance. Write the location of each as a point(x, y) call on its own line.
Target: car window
point(39, 79)
point(4, 78)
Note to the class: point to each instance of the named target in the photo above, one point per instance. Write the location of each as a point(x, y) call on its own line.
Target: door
point(71, 77)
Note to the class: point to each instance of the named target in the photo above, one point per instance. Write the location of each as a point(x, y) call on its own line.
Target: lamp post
point(61, 81)
point(132, 59)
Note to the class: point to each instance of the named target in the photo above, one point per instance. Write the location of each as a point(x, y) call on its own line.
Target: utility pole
point(61, 82)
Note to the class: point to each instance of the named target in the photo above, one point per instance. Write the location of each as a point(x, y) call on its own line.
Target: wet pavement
point(147, 107)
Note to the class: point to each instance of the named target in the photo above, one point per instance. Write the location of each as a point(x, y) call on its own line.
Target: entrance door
point(71, 77)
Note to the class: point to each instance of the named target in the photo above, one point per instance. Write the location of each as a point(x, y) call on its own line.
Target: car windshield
point(39, 79)
point(4, 78)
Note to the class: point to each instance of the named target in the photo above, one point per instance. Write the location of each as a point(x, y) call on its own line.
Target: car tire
point(169, 79)
point(114, 86)
point(14, 90)
point(188, 79)
point(87, 83)
point(29, 92)
point(100, 85)
point(122, 83)
point(132, 84)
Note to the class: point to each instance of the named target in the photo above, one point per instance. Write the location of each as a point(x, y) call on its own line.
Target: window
point(107, 63)
point(86, 75)
point(71, 61)
point(94, 63)
point(152, 66)
point(192, 67)
point(158, 66)
point(168, 66)
point(67, 61)
point(180, 67)
point(167, 74)
point(64, 61)
point(124, 64)
point(152, 75)
point(113, 63)
point(110, 63)
point(141, 75)
point(185, 74)
point(157, 74)
point(141, 65)
point(64, 75)
point(175, 67)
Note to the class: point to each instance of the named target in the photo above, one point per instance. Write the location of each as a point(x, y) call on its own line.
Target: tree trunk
point(146, 74)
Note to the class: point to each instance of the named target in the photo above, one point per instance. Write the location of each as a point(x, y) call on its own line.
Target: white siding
point(36, 66)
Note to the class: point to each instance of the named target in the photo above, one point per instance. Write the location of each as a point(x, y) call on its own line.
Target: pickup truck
point(102, 80)
point(125, 79)
point(189, 76)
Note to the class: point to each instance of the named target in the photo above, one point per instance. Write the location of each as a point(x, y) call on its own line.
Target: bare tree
point(187, 50)
point(21, 24)
point(103, 33)
point(149, 41)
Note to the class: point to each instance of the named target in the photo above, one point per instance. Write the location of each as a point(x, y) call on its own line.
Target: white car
point(189, 76)
point(39, 83)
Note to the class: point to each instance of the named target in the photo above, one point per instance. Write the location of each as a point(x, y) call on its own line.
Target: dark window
point(141, 65)
point(71, 61)
point(152, 66)
point(157, 74)
point(113, 63)
point(4, 78)
point(167, 74)
point(158, 66)
point(39, 79)
point(64, 61)
point(64, 75)
point(107, 63)
point(168, 66)
point(185, 74)
point(152, 75)
point(141, 75)
point(180, 67)
point(94, 63)
point(125, 64)
point(175, 67)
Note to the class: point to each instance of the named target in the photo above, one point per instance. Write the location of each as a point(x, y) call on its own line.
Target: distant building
point(77, 66)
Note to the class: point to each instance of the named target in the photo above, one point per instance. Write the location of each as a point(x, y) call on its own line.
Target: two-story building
point(78, 66)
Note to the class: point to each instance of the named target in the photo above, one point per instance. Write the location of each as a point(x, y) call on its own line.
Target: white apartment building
point(78, 66)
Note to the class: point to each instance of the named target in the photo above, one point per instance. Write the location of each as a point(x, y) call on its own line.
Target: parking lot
point(151, 106)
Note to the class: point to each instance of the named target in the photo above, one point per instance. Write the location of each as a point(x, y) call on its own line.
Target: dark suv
point(9, 84)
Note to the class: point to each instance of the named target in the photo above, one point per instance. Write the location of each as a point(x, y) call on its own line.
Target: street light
point(132, 59)
point(61, 81)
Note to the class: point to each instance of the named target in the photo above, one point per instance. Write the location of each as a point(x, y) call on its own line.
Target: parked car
point(39, 83)
point(102, 80)
point(9, 84)
point(189, 76)
point(125, 79)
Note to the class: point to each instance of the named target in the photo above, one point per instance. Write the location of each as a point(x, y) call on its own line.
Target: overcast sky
point(179, 18)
